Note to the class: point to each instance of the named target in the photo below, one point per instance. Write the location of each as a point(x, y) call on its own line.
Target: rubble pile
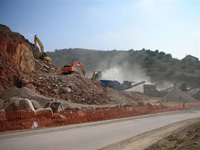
point(195, 93)
point(72, 88)
point(42, 67)
point(126, 97)
point(48, 81)
point(136, 96)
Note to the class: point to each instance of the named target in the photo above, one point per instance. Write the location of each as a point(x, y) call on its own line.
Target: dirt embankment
point(183, 135)
point(185, 138)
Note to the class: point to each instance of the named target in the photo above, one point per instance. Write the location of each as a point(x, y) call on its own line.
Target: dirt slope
point(20, 66)
point(186, 138)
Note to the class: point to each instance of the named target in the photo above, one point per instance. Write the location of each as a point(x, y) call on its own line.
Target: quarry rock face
point(26, 62)
point(16, 57)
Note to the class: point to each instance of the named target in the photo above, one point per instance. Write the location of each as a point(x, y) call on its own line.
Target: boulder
point(19, 108)
point(18, 103)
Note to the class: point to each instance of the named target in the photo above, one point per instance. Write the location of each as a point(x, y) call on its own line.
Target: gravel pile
point(177, 95)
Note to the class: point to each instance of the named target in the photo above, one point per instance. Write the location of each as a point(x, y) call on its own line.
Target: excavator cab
point(69, 69)
point(43, 55)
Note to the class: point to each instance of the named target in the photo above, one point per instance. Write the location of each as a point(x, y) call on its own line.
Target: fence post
point(10, 120)
point(20, 117)
point(6, 122)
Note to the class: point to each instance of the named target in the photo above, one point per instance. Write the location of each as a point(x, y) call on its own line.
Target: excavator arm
point(79, 64)
point(43, 55)
point(37, 40)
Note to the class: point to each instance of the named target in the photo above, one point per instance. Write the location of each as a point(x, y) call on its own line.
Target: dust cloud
point(122, 68)
point(161, 85)
point(126, 72)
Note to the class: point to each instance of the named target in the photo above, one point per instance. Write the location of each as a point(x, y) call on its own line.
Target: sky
point(172, 26)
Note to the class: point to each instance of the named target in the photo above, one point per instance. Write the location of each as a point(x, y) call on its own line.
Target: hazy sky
point(172, 26)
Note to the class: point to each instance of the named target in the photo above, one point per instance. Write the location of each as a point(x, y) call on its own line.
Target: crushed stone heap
point(177, 95)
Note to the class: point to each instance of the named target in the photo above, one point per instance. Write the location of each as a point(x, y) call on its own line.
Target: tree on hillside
point(162, 53)
point(169, 55)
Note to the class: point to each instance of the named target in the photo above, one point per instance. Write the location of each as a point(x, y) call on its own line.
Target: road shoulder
point(147, 139)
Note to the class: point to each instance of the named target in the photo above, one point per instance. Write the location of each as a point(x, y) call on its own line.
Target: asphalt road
point(90, 136)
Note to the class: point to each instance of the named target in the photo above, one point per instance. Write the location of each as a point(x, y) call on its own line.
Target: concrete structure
point(151, 90)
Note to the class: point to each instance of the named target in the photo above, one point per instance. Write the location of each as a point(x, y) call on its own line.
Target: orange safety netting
point(27, 120)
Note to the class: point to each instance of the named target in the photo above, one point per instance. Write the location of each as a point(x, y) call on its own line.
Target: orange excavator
point(68, 69)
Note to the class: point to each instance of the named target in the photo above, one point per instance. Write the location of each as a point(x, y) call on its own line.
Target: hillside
point(152, 66)
point(21, 67)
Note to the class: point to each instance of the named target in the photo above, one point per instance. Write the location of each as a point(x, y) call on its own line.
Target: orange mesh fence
point(10, 121)
point(175, 106)
point(192, 105)
point(183, 105)
point(27, 120)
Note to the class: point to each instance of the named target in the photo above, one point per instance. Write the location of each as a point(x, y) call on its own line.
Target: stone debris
point(195, 93)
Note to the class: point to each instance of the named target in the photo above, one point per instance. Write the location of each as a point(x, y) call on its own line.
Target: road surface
point(91, 136)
